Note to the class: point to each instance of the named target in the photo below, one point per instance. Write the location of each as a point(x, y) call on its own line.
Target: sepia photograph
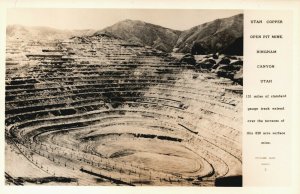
point(124, 97)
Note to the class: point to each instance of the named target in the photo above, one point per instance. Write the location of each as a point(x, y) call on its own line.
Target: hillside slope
point(215, 36)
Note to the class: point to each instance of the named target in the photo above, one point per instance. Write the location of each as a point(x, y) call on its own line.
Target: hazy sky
point(101, 18)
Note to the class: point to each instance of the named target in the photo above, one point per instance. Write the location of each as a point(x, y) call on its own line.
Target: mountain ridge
point(43, 32)
point(223, 35)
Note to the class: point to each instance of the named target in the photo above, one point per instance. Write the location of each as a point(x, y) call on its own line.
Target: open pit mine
point(98, 110)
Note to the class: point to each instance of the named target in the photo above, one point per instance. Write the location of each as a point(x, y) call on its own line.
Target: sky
point(97, 19)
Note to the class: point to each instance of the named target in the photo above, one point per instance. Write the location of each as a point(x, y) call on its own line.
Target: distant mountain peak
point(143, 33)
point(134, 21)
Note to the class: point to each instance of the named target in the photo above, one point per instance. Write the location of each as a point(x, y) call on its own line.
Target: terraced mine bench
point(105, 112)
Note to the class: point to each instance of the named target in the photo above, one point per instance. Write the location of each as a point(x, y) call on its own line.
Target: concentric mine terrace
point(97, 110)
